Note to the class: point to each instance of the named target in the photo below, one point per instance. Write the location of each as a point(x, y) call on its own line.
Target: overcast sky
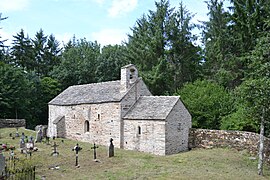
point(107, 21)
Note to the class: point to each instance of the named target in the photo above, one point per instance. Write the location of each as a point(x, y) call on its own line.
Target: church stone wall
point(178, 124)
point(54, 113)
point(145, 135)
point(104, 122)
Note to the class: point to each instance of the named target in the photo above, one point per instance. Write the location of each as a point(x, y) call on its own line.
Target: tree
point(218, 44)
point(2, 41)
point(78, 64)
point(39, 45)
point(44, 89)
point(14, 92)
point(22, 52)
point(51, 54)
point(256, 93)
point(2, 46)
point(163, 38)
point(256, 88)
point(109, 63)
point(183, 55)
point(207, 102)
point(239, 119)
point(229, 37)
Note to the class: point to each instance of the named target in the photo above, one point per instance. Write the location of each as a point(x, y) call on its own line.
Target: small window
point(179, 126)
point(98, 116)
point(139, 130)
point(89, 114)
point(86, 126)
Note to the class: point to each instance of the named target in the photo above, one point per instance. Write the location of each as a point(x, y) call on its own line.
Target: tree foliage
point(78, 64)
point(163, 38)
point(207, 102)
point(15, 91)
point(109, 63)
point(232, 64)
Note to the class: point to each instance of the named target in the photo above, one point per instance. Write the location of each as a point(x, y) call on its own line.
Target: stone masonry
point(123, 110)
point(10, 123)
point(240, 140)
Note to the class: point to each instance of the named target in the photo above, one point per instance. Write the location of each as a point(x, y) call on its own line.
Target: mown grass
point(195, 164)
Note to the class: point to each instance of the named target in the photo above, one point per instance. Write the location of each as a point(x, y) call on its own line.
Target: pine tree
point(39, 44)
point(51, 54)
point(163, 39)
point(22, 51)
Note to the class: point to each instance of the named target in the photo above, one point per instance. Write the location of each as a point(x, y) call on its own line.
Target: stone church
point(124, 110)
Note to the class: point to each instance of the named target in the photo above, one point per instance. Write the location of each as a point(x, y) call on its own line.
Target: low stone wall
point(10, 123)
point(240, 140)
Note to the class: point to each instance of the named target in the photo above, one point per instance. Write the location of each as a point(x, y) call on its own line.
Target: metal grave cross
point(95, 153)
point(77, 148)
point(54, 153)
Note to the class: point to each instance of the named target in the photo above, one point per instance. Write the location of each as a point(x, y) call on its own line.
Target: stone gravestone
point(17, 132)
point(39, 134)
point(111, 148)
point(2, 162)
point(44, 129)
point(22, 144)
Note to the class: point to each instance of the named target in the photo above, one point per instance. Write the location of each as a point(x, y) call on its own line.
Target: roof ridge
point(94, 83)
point(162, 96)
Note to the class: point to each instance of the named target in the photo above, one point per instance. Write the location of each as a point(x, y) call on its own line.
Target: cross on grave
point(77, 148)
point(54, 153)
point(23, 136)
point(22, 144)
point(111, 148)
point(31, 140)
point(95, 153)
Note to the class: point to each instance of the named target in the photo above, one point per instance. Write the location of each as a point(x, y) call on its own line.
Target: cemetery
point(58, 158)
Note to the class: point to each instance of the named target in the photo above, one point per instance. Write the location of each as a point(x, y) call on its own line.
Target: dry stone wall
point(10, 123)
point(240, 140)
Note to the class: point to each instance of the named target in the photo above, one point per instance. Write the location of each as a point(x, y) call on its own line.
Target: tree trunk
point(260, 164)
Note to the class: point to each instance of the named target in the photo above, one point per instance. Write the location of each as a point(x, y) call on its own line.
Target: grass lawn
point(195, 164)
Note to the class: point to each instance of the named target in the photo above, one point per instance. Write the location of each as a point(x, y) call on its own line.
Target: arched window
point(139, 130)
point(86, 126)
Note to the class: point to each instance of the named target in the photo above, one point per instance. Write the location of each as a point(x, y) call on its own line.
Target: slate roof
point(89, 94)
point(152, 107)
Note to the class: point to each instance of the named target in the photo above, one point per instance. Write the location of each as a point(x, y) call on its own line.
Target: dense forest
point(224, 80)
